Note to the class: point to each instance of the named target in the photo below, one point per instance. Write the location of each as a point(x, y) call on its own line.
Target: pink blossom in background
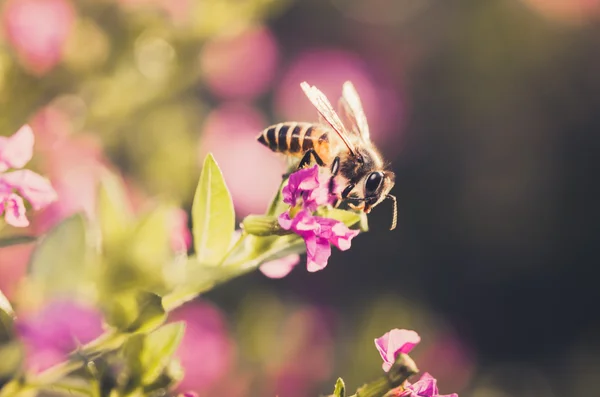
point(13, 267)
point(206, 352)
point(15, 152)
point(328, 69)
point(181, 237)
point(280, 268)
point(74, 164)
point(450, 359)
point(252, 172)
point(424, 387)
point(38, 31)
point(394, 342)
point(240, 66)
point(55, 331)
point(304, 354)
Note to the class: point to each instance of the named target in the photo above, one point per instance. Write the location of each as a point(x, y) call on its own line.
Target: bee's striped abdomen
point(289, 138)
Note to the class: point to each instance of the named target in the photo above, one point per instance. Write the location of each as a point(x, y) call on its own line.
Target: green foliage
point(11, 351)
point(213, 215)
point(58, 263)
point(340, 388)
point(123, 262)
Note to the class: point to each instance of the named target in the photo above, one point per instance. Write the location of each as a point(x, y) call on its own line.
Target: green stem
point(403, 368)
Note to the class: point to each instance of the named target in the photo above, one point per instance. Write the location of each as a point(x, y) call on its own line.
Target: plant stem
point(402, 369)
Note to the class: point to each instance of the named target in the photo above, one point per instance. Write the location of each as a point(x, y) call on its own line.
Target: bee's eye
point(373, 182)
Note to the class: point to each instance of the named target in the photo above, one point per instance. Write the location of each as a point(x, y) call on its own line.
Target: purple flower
point(318, 233)
point(308, 186)
point(51, 334)
point(308, 189)
point(15, 152)
point(424, 387)
point(394, 342)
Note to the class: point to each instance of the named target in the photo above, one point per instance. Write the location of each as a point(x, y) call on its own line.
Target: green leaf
point(213, 215)
point(159, 348)
point(7, 316)
point(340, 388)
point(114, 211)
point(349, 218)
point(150, 244)
point(277, 206)
point(137, 312)
point(15, 240)
point(12, 358)
point(5, 305)
point(58, 263)
point(132, 351)
point(151, 312)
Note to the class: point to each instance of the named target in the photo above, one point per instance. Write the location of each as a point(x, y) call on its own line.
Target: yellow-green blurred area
point(486, 109)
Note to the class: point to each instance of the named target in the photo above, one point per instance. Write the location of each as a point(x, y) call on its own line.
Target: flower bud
point(262, 225)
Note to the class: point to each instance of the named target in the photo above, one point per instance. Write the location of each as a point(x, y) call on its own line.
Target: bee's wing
point(327, 113)
point(351, 108)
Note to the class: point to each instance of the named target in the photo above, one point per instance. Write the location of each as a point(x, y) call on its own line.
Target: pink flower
point(15, 152)
point(38, 31)
point(181, 238)
point(310, 186)
point(280, 268)
point(207, 352)
point(394, 342)
point(318, 233)
point(309, 189)
point(424, 387)
point(50, 335)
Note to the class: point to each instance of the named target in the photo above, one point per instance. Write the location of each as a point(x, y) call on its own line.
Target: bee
point(359, 175)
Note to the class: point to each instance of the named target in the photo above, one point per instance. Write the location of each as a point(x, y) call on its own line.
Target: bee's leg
point(335, 168)
point(306, 159)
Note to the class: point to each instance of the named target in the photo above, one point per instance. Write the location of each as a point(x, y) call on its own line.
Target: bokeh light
point(230, 133)
point(255, 50)
point(328, 69)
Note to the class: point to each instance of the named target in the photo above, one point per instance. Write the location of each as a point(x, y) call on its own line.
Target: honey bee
point(359, 175)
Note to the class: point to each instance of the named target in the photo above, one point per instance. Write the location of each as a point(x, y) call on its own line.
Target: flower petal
point(16, 150)
point(14, 210)
point(34, 187)
point(395, 342)
point(280, 268)
point(426, 386)
point(318, 252)
point(301, 180)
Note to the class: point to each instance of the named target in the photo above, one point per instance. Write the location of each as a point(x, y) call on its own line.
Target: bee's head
point(376, 188)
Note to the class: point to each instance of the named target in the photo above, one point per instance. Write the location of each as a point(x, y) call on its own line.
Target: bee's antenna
point(395, 218)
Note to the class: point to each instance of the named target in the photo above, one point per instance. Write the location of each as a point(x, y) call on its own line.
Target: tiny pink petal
point(342, 236)
point(13, 208)
point(280, 268)
point(395, 342)
point(318, 252)
point(16, 150)
point(285, 221)
point(34, 187)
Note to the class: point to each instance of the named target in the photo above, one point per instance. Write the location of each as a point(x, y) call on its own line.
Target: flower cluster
point(15, 152)
point(398, 341)
point(306, 191)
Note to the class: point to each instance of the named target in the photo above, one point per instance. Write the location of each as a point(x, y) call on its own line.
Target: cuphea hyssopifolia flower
point(398, 341)
point(307, 190)
point(15, 152)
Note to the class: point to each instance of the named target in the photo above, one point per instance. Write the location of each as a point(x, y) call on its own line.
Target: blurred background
point(488, 111)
